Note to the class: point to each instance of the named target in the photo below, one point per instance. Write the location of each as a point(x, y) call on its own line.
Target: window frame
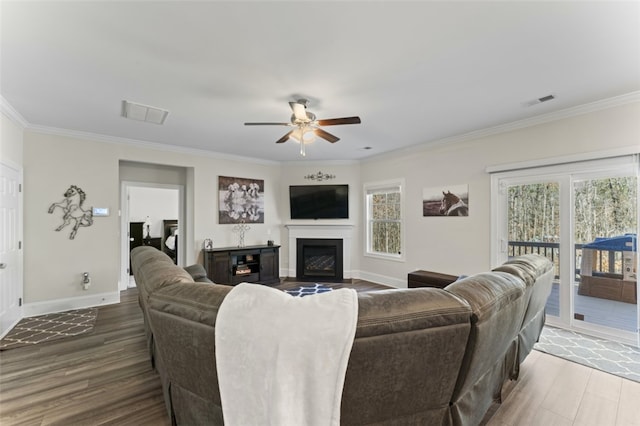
point(369, 189)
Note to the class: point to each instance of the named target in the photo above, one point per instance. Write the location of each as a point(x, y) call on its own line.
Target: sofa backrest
point(537, 273)
point(497, 303)
point(405, 358)
point(183, 318)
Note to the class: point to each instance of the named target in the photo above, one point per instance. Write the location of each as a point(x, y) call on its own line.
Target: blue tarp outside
point(626, 242)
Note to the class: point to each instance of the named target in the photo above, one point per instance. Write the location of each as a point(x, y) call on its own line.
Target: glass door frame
point(565, 175)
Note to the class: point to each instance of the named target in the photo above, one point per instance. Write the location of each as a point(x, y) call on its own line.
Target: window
point(384, 219)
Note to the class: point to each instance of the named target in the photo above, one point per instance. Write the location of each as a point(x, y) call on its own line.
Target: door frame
point(20, 238)
point(124, 223)
point(565, 175)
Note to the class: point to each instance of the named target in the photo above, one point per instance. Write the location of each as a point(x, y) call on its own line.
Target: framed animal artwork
point(240, 200)
point(451, 200)
point(74, 213)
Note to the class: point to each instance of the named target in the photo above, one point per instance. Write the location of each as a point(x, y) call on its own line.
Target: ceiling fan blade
point(284, 138)
point(326, 135)
point(336, 121)
point(299, 110)
point(267, 124)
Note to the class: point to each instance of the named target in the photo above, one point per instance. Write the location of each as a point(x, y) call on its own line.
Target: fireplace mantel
point(344, 232)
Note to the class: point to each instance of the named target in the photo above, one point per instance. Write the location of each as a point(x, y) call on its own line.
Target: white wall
point(156, 203)
point(460, 245)
point(11, 135)
point(346, 173)
point(54, 263)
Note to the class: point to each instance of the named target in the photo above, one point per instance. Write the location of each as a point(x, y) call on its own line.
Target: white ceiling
point(415, 72)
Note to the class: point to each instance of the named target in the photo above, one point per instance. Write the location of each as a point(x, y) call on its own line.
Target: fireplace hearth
point(319, 259)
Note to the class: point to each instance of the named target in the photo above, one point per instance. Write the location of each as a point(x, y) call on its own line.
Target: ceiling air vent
point(539, 100)
point(145, 113)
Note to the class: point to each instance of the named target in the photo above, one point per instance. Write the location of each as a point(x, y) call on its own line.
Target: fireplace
point(319, 259)
point(315, 231)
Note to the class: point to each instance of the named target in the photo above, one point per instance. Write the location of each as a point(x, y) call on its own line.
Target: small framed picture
point(208, 244)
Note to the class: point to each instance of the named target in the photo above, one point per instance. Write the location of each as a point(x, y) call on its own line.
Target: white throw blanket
point(282, 360)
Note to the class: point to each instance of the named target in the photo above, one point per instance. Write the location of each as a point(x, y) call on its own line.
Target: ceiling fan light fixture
point(303, 134)
point(306, 128)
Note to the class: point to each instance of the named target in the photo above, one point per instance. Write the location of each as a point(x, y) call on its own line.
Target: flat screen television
point(319, 201)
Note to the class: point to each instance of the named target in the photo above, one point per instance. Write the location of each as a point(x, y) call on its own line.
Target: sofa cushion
point(190, 301)
point(198, 273)
point(158, 275)
point(405, 359)
point(144, 254)
point(527, 267)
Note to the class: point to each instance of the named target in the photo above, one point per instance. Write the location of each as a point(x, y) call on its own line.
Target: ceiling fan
point(306, 126)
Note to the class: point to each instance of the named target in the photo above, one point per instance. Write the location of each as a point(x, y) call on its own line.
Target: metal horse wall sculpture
point(72, 210)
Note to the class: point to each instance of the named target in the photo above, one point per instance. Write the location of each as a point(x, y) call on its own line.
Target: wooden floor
point(106, 378)
point(554, 392)
point(96, 379)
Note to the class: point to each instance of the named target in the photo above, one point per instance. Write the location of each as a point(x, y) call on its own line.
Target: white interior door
point(10, 247)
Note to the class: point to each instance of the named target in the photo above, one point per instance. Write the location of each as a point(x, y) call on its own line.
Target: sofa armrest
point(198, 273)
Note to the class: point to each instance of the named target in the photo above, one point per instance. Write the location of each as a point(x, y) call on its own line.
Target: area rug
point(605, 355)
point(307, 290)
point(45, 328)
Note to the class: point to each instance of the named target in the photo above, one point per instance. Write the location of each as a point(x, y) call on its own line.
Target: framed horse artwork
point(450, 201)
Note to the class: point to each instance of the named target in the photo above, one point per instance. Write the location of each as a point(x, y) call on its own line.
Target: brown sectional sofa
point(421, 356)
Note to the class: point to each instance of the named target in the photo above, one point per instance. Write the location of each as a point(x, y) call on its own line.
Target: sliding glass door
point(604, 230)
point(584, 218)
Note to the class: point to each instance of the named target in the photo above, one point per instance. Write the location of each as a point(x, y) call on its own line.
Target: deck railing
point(609, 261)
point(549, 250)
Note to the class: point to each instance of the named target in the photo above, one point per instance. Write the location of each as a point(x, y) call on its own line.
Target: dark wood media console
point(234, 265)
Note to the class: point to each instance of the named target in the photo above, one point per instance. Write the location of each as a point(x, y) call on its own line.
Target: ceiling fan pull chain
point(304, 154)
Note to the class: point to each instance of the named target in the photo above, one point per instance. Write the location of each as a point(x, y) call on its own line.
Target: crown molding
point(600, 105)
point(7, 109)
point(320, 163)
point(96, 137)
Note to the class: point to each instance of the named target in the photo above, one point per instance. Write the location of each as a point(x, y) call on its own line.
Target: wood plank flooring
point(553, 391)
point(97, 379)
point(106, 379)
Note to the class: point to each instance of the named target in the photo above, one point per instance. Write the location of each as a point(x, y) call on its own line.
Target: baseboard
point(61, 305)
point(4, 333)
point(380, 279)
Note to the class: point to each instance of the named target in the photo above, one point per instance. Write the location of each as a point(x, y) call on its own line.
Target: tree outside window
point(384, 220)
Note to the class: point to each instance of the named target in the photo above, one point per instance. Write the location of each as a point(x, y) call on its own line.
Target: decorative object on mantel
point(72, 210)
point(241, 228)
point(208, 244)
point(320, 176)
point(240, 199)
point(450, 201)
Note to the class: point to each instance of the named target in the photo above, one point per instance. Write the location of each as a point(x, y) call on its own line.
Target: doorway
point(560, 212)
point(151, 215)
